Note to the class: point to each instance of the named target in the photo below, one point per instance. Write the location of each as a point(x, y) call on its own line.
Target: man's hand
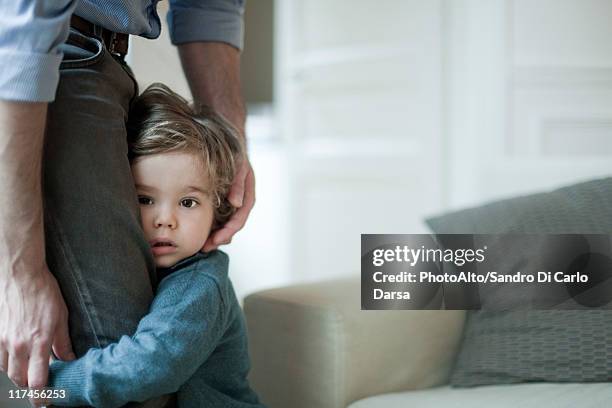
point(241, 196)
point(213, 72)
point(34, 321)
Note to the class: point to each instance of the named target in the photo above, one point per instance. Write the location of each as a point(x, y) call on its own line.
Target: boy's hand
point(241, 196)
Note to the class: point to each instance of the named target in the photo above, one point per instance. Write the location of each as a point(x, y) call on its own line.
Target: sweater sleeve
point(181, 330)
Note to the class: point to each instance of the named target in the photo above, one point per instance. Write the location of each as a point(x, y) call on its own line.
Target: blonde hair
point(161, 121)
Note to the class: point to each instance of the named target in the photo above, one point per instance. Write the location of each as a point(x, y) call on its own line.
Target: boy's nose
point(169, 224)
point(165, 220)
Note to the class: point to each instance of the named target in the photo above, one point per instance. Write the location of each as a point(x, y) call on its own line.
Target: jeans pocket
point(81, 50)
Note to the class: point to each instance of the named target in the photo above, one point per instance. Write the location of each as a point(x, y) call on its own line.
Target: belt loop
point(112, 43)
point(97, 30)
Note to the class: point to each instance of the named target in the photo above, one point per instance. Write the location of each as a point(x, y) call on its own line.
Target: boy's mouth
point(162, 246)
point(162, 242)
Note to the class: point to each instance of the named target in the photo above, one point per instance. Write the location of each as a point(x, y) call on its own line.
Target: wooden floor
point(5, 401)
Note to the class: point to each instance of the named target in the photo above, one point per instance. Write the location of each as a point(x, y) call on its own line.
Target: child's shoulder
point(197, 276)
point(214, 264)
point(211, 266)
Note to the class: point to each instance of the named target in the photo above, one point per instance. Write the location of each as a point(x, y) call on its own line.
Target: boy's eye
point(145, 200)
point(189, 202)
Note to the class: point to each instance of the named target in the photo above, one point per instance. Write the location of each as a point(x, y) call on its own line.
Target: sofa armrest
point(313, 347)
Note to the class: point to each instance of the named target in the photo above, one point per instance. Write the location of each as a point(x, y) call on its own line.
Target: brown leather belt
point(116, 43)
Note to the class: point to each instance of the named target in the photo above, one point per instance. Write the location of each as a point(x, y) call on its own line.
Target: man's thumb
point(62, 347)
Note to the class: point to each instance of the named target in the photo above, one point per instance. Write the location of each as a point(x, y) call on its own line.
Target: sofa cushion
point(594, 395)
point(502, 347)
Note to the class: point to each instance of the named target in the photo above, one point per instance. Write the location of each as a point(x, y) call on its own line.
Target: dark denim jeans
point(95, 245)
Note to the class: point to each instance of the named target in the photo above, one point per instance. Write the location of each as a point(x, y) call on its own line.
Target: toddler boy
point(193, 340)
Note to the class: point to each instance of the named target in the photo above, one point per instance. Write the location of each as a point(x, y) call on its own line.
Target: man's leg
point(95, 245)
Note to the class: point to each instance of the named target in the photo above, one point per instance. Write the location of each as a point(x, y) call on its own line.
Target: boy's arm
point(181, 330)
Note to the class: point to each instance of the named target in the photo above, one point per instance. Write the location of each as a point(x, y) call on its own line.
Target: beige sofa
point(312, 347)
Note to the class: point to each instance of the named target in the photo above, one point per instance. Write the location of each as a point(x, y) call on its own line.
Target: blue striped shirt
point(31, 32)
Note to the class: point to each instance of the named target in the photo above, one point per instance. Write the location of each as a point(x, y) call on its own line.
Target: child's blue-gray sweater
point(193, 342)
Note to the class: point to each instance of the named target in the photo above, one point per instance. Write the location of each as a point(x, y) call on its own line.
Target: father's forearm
point(22, 127)
point(213, 72)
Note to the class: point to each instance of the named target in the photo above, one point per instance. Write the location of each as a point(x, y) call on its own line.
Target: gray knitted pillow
point(552, 345)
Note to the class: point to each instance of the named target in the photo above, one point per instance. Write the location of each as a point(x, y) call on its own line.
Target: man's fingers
point(209, 245)
point(238, 220)
point(62, 347)
point(236, 192)
point(224, 235)
point(38, 370)
point(249, 193)
point(219, 237)
point(234, 224)
point(3, 360)
point(38, 366)
point(17, 369)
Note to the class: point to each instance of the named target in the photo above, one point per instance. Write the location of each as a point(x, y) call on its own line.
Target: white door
point(359, 93)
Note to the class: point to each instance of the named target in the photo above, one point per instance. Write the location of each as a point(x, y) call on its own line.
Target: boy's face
point(175, 204)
